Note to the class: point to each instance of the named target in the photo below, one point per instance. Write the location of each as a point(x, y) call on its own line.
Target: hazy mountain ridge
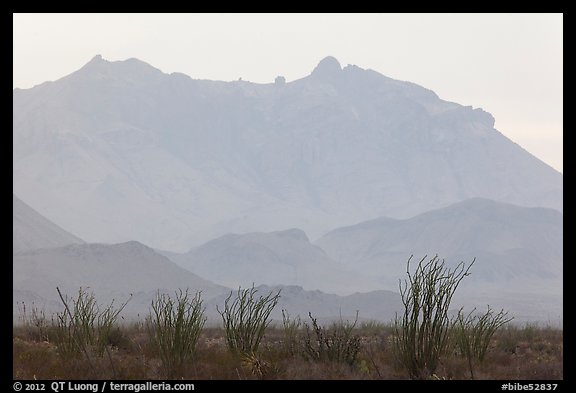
point(518, 251)
point(466, 229)
point(374, 305)
point(205, 158)
point(275, 258)
point(112, 271)
point(31, 230)
point(131, 270)
point(119, 151)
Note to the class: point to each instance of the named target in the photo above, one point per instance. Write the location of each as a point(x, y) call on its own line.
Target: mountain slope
point(31, 230)
point(276, 258)
point(518, 242)
point(111, 271)
point(518, 251)
point(171, 161)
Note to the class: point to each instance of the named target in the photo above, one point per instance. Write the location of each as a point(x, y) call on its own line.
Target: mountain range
point(110, 271)
point(518, 256)
point(513, 245)
point(131, 270)
point(518, 264)
point(322, 187)
point(274, 258)
point(518, 253)
point(173, 162)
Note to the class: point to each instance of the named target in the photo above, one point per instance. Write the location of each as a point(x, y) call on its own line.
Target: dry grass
point(514, 354)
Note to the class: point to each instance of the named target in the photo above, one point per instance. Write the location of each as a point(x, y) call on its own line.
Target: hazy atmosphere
point(292, 196)
point(508, 64)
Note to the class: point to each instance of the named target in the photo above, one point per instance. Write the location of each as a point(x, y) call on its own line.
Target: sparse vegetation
point(246, 319)
point(84, 327)
point(34, 321)
point(294, 350)
point(175, 326)
point(292, 333)
point(338, 343)
point(474, 333)
point(539, 358)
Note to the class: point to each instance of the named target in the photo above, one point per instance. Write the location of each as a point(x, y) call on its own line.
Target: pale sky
point(511, 65)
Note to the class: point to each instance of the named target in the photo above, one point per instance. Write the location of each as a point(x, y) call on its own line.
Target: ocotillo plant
point(175, 326)
point(84, 327)
point(292, 327)
point(338, 343)
point(421, 333)
point(245, 319)
point(474, 332)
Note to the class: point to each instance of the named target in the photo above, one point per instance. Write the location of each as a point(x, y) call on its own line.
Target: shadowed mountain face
point(120, 151)
point(31, 230)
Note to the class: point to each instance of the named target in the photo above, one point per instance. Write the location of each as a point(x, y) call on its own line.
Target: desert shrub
point(375, 328)
point(119, 338)
point(292, 330)
point(529, 332)
point(474, 333)
point(34, 322)
point(258, 367)
point(421, 334)
point(338, 343)
point(245, 319)
point(175, 326)
point(84, 327)
point(507, 339)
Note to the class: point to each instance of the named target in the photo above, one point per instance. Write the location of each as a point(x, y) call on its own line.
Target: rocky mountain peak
point(327, 69)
